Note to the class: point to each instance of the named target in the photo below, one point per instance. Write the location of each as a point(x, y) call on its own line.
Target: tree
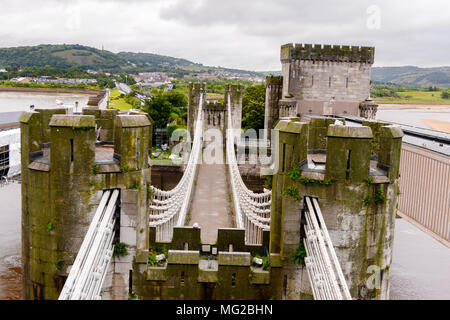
point(445, 94)
point(253, 106)
point(159, 109)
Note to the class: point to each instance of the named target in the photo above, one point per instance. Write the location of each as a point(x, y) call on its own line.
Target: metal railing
point(425, 191)
point(324, 271)
point(88, 272)
point(169, 208)
point(252, 210)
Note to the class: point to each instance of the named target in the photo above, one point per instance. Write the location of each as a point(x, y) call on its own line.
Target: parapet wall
point(194, 271)
point(318, 52)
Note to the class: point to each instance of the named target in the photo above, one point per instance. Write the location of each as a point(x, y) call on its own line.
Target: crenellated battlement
point(319, 52)
point(274, 81)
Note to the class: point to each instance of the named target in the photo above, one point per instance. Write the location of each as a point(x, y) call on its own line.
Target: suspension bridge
point(169, 209)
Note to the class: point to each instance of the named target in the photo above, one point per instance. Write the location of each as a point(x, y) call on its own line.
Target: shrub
point(300, 254)
point(120, 249)
point(379, 196)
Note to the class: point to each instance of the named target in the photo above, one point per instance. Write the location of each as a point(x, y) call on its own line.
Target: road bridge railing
point(252, 210)
point(322, 265)
point(169, 209)
point(88, 272)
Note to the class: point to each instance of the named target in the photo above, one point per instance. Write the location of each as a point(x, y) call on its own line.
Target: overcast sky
point(244, 34)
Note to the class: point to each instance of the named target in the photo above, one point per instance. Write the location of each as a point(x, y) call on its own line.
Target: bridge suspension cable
point(169, 208)
point(324, 271)
point(88, 272)
point(252, 210)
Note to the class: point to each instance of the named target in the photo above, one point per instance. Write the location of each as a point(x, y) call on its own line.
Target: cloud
point(234, 33)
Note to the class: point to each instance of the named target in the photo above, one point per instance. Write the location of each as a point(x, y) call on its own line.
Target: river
point(413, 117)
point(10, 242)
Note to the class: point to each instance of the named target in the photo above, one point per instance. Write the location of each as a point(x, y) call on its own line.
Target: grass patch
point(291, 192)
point(415, 97)
point(58, 264)
point(295, 174)
point(379, 196)
point(117, 101)
point(325, 182)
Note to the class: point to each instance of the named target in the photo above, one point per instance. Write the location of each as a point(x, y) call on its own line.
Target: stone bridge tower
point(321, 80)
point(215, 112)
point(64, 173)
point(353, 171)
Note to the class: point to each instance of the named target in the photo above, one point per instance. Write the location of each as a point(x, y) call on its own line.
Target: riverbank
point(52, 90)
point(438, 125)
point(413, 106)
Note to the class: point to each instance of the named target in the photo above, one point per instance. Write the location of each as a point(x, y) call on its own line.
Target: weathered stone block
point(157, 273)
point(183, 257)
point(234, 258)
point(259, 276)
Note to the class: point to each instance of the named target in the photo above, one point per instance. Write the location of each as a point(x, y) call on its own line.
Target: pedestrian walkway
point(210, 206)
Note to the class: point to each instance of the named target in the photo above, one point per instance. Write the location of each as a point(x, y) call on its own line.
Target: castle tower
point(274, 88)
point(325, 79)
point(235, 91)
point(356, 183)
point(195, 89)
point(64, 174)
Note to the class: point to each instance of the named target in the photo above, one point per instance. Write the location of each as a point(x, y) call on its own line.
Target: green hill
point(67, 56)
point(60, 56)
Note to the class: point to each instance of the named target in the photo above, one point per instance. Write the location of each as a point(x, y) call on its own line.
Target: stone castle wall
point(321, 80)
point(193, 272)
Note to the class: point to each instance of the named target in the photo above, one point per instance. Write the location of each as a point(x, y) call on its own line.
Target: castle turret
point(357, 195)
point(195, 90)
point(64, 174)
point(235, 91)
point(325, 79)
point(274, 87)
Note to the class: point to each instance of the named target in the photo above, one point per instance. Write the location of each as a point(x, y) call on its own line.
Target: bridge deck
point(210, 206)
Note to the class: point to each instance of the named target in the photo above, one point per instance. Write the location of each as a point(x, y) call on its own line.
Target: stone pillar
point(274, 87)
point(235, 92)
point(57, 200)
point(195, 89)
point(350, 149)
point(131, 148)
point(105, 121)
